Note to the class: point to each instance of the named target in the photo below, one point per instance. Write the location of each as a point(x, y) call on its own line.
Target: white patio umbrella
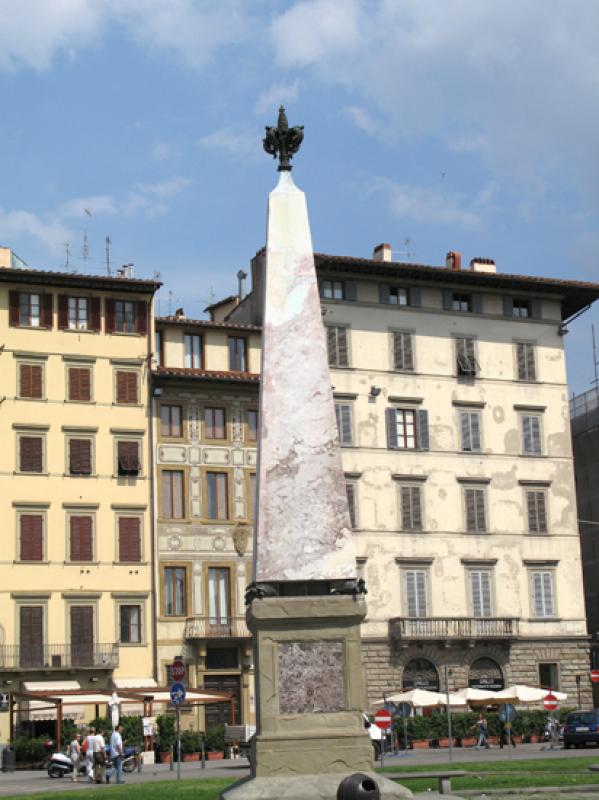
point(520, 694)
point(472, 697)
point(421, 698)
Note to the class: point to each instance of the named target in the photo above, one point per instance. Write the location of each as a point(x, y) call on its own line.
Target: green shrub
point(133, 732)
point(215, 738)
point(29, 751)
point(190, 742)
point(166, 731)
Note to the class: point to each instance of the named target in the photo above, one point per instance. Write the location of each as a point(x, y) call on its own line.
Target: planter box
point(534, 739)
point(191, 756)
point(469, 741)
point(444, 742)
point(420, 744)
point(166, 756)
point(215, 755)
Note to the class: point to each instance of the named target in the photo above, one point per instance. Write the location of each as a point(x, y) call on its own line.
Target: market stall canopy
point(51, 686)
point(134, 684)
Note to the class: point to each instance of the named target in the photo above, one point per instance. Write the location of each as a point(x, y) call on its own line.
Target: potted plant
point(215, 742)
point(190, 745)
point(166, 737)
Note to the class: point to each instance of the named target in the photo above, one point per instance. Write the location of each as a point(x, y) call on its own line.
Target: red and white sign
point(550, 702)
point(383, 719)
point(178, 670)
point(595, 675)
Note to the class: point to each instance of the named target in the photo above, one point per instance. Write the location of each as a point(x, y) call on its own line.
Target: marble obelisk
point(306, 604)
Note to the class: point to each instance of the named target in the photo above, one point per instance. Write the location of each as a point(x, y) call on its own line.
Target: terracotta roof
point(222, 302)
point(52, 278)
point(206, 374)
point(576, 294)
point(207, 323)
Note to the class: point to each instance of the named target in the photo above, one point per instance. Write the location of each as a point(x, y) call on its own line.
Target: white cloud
point(278, 94)
point(162, 151)
point(363, 120)
point(96, 205)
point(150, 198)
point(18, 225)
point(240, 145)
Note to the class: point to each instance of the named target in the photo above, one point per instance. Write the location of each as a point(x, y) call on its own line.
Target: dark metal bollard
point(358, 787)
point(8, 760)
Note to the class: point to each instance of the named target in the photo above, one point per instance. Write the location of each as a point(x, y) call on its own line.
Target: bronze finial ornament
point(283, 141)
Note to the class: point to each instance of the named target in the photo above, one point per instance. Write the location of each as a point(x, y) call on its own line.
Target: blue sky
point(434, 125)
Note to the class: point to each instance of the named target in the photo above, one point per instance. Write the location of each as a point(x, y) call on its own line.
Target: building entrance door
point(218, 714)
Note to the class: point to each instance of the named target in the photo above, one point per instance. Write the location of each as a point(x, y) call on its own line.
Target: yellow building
point(76, 577)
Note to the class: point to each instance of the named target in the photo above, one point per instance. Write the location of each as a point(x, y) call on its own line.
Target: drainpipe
point(152, 479)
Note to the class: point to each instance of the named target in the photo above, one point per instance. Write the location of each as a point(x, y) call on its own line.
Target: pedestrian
point(482, 732)
point(503, 738)
point(116, 755)
point(75, 755)
point(553, 731)
point(88, 749)
point(99, 757)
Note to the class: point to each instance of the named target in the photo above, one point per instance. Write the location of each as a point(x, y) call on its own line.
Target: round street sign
point(595, 675)
point(178, 670)
point(383, 719)
point(403, 710)
point(507, 713)
point(550, 702)
point(177, 694)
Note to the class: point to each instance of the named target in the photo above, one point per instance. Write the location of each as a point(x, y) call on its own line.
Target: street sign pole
point(178, 743)
point(449, 732)
point(405, 735)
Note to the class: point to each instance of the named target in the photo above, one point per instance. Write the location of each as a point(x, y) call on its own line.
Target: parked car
point(581, 727)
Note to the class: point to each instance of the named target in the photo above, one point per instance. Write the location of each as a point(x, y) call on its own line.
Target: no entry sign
point(383, 719)
point(550, 702)
point(178, 670)
point(595, 675)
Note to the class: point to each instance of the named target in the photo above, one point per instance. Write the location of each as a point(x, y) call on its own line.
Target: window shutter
point(47, 303)
point(447, 299)
point(94, 314)
point(476, 594)
point(30, 380)
point(79, 384)
point(475, 510)
point(475, 430)
point(526, 435)
point(128, 458)
point(415, 297)
point(13, 309)
point(342, 360)
point(31, 454)
point(508, 306)
point(406, 508)
point(521, 360)
point(537, 515)
point(351, 291)
point(82, 545)
point(31, 636)
point(541, 512)
point(332, 346)
point(350, 490)
point(391, 415)
point(129, 539)
point(109, 311)
point(530, 362)
point(548, 593)
point(485, 586)
point(403, 357)
point(535, 309)
point(344, 424)
point(423, 437)
point(63, 311)
point(411, 597)
point(141, 317)
point(80, 457)
point(481, 524)
point(465, 428)
point(126, 387)
point(320, 289)
point(477, 303)
point(416, 599)
point(384, 293)
point(32, 532)
point(416, 508)
point(535, 429)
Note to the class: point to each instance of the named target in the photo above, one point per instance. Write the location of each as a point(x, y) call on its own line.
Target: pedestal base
point(305, 787)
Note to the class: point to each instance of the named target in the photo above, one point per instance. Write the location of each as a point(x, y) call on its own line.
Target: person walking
point(482, 732)
point(503, 738)
point(99, 757)
point(75, 755)
point(116, 755)
point(88, 749)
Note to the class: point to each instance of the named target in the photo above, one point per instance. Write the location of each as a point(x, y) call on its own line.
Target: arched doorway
point(420, 673)
point(485, 673)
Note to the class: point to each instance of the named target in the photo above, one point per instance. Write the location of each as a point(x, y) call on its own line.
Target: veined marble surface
point(302, 527)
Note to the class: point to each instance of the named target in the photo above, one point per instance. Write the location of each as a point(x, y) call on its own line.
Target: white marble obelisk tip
point(302, 527)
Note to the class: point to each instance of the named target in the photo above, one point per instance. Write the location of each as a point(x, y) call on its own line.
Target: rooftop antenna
point(108, 243)
point(407, 252)
point(170, 302)
point(595, 364)
point(67, 255)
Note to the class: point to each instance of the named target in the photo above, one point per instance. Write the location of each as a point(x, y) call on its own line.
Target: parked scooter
point(60, 765)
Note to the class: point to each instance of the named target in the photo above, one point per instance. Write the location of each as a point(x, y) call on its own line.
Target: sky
point(434, 125)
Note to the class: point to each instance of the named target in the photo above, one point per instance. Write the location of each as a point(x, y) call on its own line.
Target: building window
point(218, 596)
point(480, 593)
point(415, 593)
point(343, 416)
point(397, 296)
point(172, 494)
point(252, 423)
point(237, 354)
point(127, 387)
point(217, 495)
point(420, 673)
point(474, 504)
point(465, 356)
point(331, 290)
point(29, 310)
point(128, 458)
point(31, 453)
point(403, 353)
point(31, 636)
point(31, 381)
point(130, 624)
point(407, 429)
point(536, 507)
point(158, 357)
point(77, 313)
point(525, 359)
point(531, 435)
point(460, 302)
point(337, 346)
point(351, 489)
point(520, 308)
point(80, 456)
point(214, 423)
point(79, 384)
point(470, 431)
point(129, 530)
point(175, 591)
point(405, 426)
point(124, 316)
point(193, 351)
point(81, 538)
point(543, 604)
point(31, 537)
point(171, 424)
point(411, 508)
point(549, 676)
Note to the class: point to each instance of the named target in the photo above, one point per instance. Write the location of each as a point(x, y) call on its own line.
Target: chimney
point(478, 264)
point(241, 276)
point(382, 252)
point(126, 271)
point(179, 314)
point(453, 261)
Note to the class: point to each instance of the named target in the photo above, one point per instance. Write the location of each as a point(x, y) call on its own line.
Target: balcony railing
point(454, 627)
point(214, 628)
point(59, 656)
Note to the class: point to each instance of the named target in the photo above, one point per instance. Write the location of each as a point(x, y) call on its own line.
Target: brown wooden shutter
point(94, 314)
point(141, 317)
point(128, 458)
point(82, 546)
point(30, 380)
point(342, 347)
point(332, 346)
point(80, 456)
point(80, 384)
point(13, 309)
point(82, 635)
point(47, 303)
point(31, 454)
point(32, 537)
point(109, 311)
point(63, 311)
point(31, 636)
point(126, 387)
point(129, 539)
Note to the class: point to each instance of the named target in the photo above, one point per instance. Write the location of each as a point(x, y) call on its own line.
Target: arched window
point(485, 674)
point(420, 673)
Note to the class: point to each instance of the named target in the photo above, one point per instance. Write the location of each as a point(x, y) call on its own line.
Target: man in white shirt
point(116, 755)
point(99, 757)
point(89, 753)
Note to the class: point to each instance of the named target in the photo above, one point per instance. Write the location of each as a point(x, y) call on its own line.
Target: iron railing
point(216, 628)
point(454, 627)
point(59, 656)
